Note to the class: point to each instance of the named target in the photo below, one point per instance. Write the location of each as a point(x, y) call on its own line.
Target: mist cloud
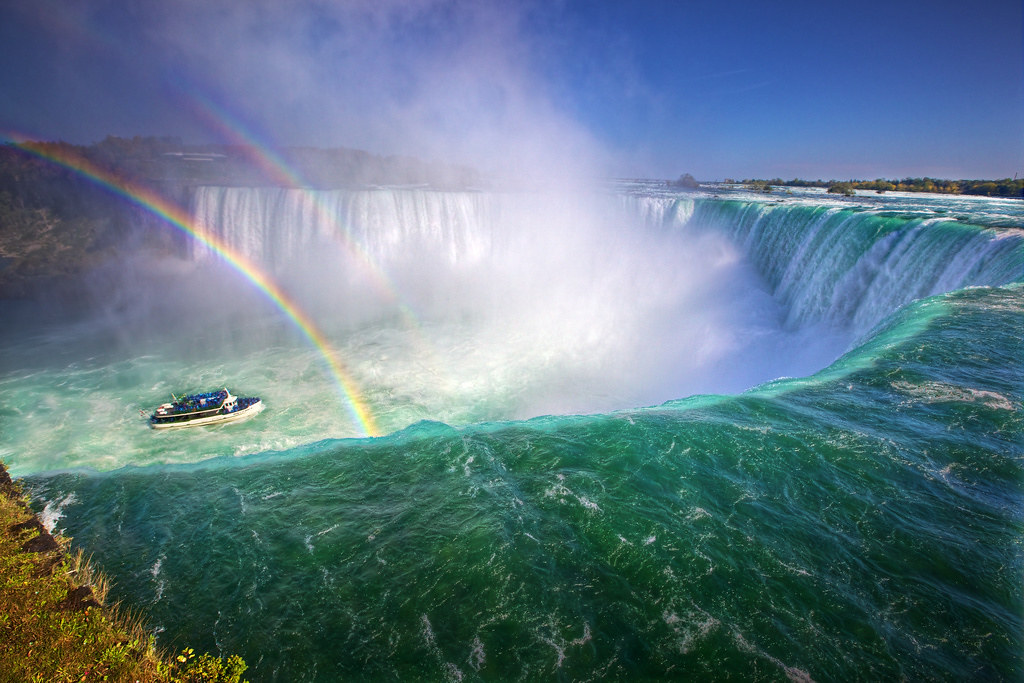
point(446, 81)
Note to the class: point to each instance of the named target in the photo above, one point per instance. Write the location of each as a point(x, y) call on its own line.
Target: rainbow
point(147, 199)
point(281, 172)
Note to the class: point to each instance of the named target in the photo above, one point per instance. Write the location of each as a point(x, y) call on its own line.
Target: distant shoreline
point(1012, 188)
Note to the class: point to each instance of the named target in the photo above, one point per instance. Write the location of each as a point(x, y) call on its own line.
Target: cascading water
point(608, 264)
point(848, 267)
point(512, 285)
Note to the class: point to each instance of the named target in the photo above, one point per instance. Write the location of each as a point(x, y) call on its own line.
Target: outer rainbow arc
point(154, 203)
point(272, 163)
point(288, 177)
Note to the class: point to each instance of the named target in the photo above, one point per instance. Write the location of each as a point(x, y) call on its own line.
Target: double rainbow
point(264, 157)
point(152, 202)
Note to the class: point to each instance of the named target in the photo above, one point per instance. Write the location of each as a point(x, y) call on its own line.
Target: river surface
point(634, 433)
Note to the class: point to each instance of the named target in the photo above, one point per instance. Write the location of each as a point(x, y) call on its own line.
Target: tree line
point(1006, 187)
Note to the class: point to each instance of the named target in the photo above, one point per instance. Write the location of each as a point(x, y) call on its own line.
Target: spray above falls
point(584, 301)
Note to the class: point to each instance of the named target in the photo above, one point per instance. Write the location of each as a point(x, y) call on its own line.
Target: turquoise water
point(861, 520)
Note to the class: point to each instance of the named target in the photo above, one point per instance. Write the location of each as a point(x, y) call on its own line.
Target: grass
point(54, 621)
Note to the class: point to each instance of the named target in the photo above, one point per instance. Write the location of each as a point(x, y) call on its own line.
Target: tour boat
point(212, 407)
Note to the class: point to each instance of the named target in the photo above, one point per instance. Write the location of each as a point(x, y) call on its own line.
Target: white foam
point(559, 645)
point(155, 569)
point(309, 539)
point(54, 510)
point(940, 392)
point(696, 626)
point(477, 656)
point(427, 632)
point(792, 673)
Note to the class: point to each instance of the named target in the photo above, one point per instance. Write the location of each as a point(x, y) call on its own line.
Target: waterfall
point(273, 226)
point(844, 267)
point(849, 268)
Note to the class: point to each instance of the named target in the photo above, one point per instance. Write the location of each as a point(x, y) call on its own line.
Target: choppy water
point(859, 520)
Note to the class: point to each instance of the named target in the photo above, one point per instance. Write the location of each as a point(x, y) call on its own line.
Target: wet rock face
point(7, 487)
point(29, 525)
point(41, 543)
point(79, 599)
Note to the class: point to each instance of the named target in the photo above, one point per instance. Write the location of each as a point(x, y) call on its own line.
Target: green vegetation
point(54, 626)
point(1006, 187)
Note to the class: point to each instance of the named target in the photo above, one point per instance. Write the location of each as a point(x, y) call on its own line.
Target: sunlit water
point(858, 520)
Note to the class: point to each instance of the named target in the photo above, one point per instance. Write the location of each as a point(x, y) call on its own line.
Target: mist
point(451, 82)
point(469, 305)
point(452, 306)
point(537, 294)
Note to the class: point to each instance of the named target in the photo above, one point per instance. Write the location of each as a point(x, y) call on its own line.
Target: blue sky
point(652, 89)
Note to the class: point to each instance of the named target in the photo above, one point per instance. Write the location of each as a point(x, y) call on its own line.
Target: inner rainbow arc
point(152, 202)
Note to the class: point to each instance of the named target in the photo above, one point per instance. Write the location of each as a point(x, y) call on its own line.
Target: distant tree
point(845, 189)
point(759, 185)
point(685, 181)
point(1007, 188)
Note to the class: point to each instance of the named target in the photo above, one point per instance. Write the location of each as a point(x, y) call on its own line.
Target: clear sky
point(632, 88)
